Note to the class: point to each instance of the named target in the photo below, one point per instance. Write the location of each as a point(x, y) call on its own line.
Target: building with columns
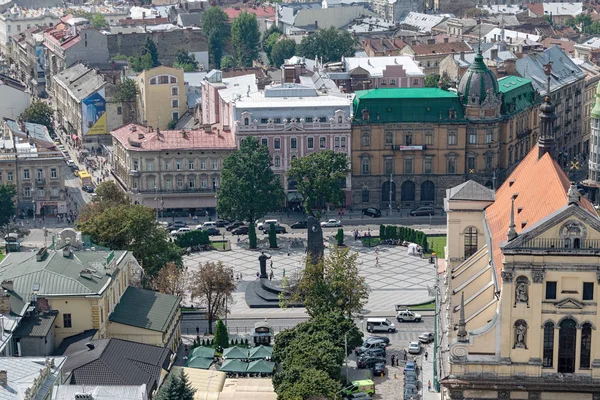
point(410, 145)
point(520, 292)
point(306, 115)
point(170, 170)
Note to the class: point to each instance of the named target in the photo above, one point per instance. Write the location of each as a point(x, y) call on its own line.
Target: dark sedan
point(371, 212)
point(368, 362)
point(213, 232)
point(423, 211)
point(88, 188)
point(379, 369)
point(176, 225)
point(234, 225)
point(376, 352)
point(299, 225)
point(240, 230)
point(221, 223)
point(278, 229)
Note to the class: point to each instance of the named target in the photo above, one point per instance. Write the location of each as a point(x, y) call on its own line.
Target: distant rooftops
point(423, 22)
point(80, 81)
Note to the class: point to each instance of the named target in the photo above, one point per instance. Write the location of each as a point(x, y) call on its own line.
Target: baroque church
point(519, 306)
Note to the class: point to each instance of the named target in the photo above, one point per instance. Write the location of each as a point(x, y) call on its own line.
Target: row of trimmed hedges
point(404, 233)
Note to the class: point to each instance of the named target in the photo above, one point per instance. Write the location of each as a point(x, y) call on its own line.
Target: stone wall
point(191, 40)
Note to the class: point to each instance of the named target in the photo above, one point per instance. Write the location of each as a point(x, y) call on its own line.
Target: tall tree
point(281, 51)
point(41, 113)
point(245, 39)
point(215, 26)
point(332, 285)
point(7, 203)
point(176, 387)
point(330, 44)
point(221, 335)
point(318, 178)
point(213, 285)
point(227, 62)
point(185, 60)
point(266, 35)
point(186, 391)
point(171, 279)
point(148, 57)
point(249, 188)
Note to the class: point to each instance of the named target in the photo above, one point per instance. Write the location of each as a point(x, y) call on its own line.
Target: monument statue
point(520, 331)
point(314, 247)
point(262, 259)
point(521, 292)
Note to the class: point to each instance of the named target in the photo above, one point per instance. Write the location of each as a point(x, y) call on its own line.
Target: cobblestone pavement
point(393, 276)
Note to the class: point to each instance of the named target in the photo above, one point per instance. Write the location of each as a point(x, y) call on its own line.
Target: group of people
point(357, 234)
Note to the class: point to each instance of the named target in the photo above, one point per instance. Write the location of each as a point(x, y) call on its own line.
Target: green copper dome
point(476, 82)
point(596, 109)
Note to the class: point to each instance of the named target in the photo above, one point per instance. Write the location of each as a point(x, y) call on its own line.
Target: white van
point(267, 223)
point(206, 225)
point(380, 325)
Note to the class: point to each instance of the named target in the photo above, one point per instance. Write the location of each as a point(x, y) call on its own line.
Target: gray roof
point(115, 362)
point(21, 373)
point(57, 275)
point(471, 190)
point(36, 131)
point(67, 392)
point(145, 309)
point(564, 71)
point(189, 19)
point(195, 78)
point(289, 11)
point(80, 80)
point(38, 325)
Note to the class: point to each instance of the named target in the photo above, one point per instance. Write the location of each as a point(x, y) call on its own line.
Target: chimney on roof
point(462, 55)
point(3, 377)
point(494, 54)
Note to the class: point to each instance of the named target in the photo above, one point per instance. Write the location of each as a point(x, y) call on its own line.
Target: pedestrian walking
point(271, 275)
point(393, 359)
point(429, 386)
point(404, 354)
point(426, 354)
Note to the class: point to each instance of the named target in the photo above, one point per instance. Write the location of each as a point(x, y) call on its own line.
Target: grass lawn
point(219, 245)
point(1, 256)
point(370, 241)
point(427, 306)
point(437, 244)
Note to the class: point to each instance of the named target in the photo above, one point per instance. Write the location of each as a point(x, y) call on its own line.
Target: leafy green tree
point(127, 91)
point(41, 113)
point(333, 284)
point(340, 237)
point(215, 25)
point(281, 51)
point(193, 238)
point(245, 39)
point(148, 57)
point(227, 62)
point(176, 387)
point(221, 335)
point(432, 81)
point(185, 61)
point(213, 285)
point(301, 383)
point(249, 188)
point(318, 178)
point(98, 21)
point(266, 35)
point(269, 43)
point(331, 44)
point(382, 233)
point(7, 202)
point(272, 236)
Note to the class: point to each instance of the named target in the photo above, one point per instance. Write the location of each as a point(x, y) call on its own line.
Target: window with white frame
point(149, 166)
point(175, 103)
point(472, 136)
point(191, 165)
point(293, 143)
point(54, 192)
point(215, 165)
point(310, 143)
point(53, 173)
point(408, 165)
point(452, 138)
point(26, 174)
point(179, 183)
point(174, 91)
point(27, 192)
point(365, 166)
point(203, 183)
point(337, 141)
point(322, 142)
point(9, 176)
point(277, 144)
point(277, 161)
point(203, 164)
point(178, 166)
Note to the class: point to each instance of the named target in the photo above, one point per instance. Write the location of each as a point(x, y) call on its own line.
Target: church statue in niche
point(520, 335)
point(521, 292)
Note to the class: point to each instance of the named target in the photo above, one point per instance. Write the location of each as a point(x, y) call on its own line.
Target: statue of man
point(521, 292)
point(262, 259)
point(521, 329)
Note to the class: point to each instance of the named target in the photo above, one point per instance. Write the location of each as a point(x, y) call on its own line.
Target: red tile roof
point(440, 48)
point(129, 137)
point(542, 187)
point(259, 12)
point(536, 9)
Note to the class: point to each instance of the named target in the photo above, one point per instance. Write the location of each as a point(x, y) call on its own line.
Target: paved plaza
point(393, 276)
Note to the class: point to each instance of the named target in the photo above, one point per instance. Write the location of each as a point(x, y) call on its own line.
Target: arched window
point(366, 139)
point(277, 161)
point(246, 121)
point(408, 191)
point(566, 346)
point(586, 345)
point(427, 191)
point(389, 138)
point(365, 166)
point(548, 344)
point(470, 241)
point(385, 191)
point(365, 195)
point(340, 119)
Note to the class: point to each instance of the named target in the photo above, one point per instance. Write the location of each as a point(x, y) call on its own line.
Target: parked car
point(365, 385)
point(88, 188)
point(410, 366)
point(278, 229)
point(180, 231)
point(411, 392)
point(367, 346)
point(376, 352)
point(240, 230)
point(406, 315)
point(423, 211)
point(379, 369)
point(213, 231)
point(221, 223)
point(426, 337)
point(377, 338)
point(265, 225)
point(359, 395)
point(410, 378)
point(371, 212)
point(368, 362)
point(299, 225)
point(233, 225)
point(70, 163)
point(331, 223)
point(176, 225)
point(414, 348)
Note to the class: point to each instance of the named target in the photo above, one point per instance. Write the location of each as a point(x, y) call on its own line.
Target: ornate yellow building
point(521, 286)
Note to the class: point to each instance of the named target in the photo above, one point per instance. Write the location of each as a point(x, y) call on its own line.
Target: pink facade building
point(306, 115)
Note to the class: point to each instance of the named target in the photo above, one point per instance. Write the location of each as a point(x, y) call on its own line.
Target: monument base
point(264, 293)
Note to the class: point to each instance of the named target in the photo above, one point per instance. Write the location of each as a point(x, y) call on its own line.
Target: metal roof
point(21, 373)
point(68, 392)
point(471, 190)
point(37, 325)
point(145, 309)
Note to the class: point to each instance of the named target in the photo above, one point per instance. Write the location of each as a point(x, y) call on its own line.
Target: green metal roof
point(261, 352)
point(235, 352)
point(203, 351)
point(234, 366)
point(56, 275)
point(145, 309)
point(518, 94)
point(199, 362)
point(407, 105)
point(261, 367)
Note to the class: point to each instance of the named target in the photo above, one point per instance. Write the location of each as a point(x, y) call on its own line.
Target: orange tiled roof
point(542, 187)
point(172, 140)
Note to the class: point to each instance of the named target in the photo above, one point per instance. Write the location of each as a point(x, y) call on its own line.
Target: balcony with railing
point(183, 190)
point(568, 245)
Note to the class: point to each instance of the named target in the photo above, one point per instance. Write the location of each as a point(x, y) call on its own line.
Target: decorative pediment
point(293, 126)
point(569, 303)
point(574, 224)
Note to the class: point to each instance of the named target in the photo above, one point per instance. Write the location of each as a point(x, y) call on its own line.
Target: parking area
point(391, 385)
